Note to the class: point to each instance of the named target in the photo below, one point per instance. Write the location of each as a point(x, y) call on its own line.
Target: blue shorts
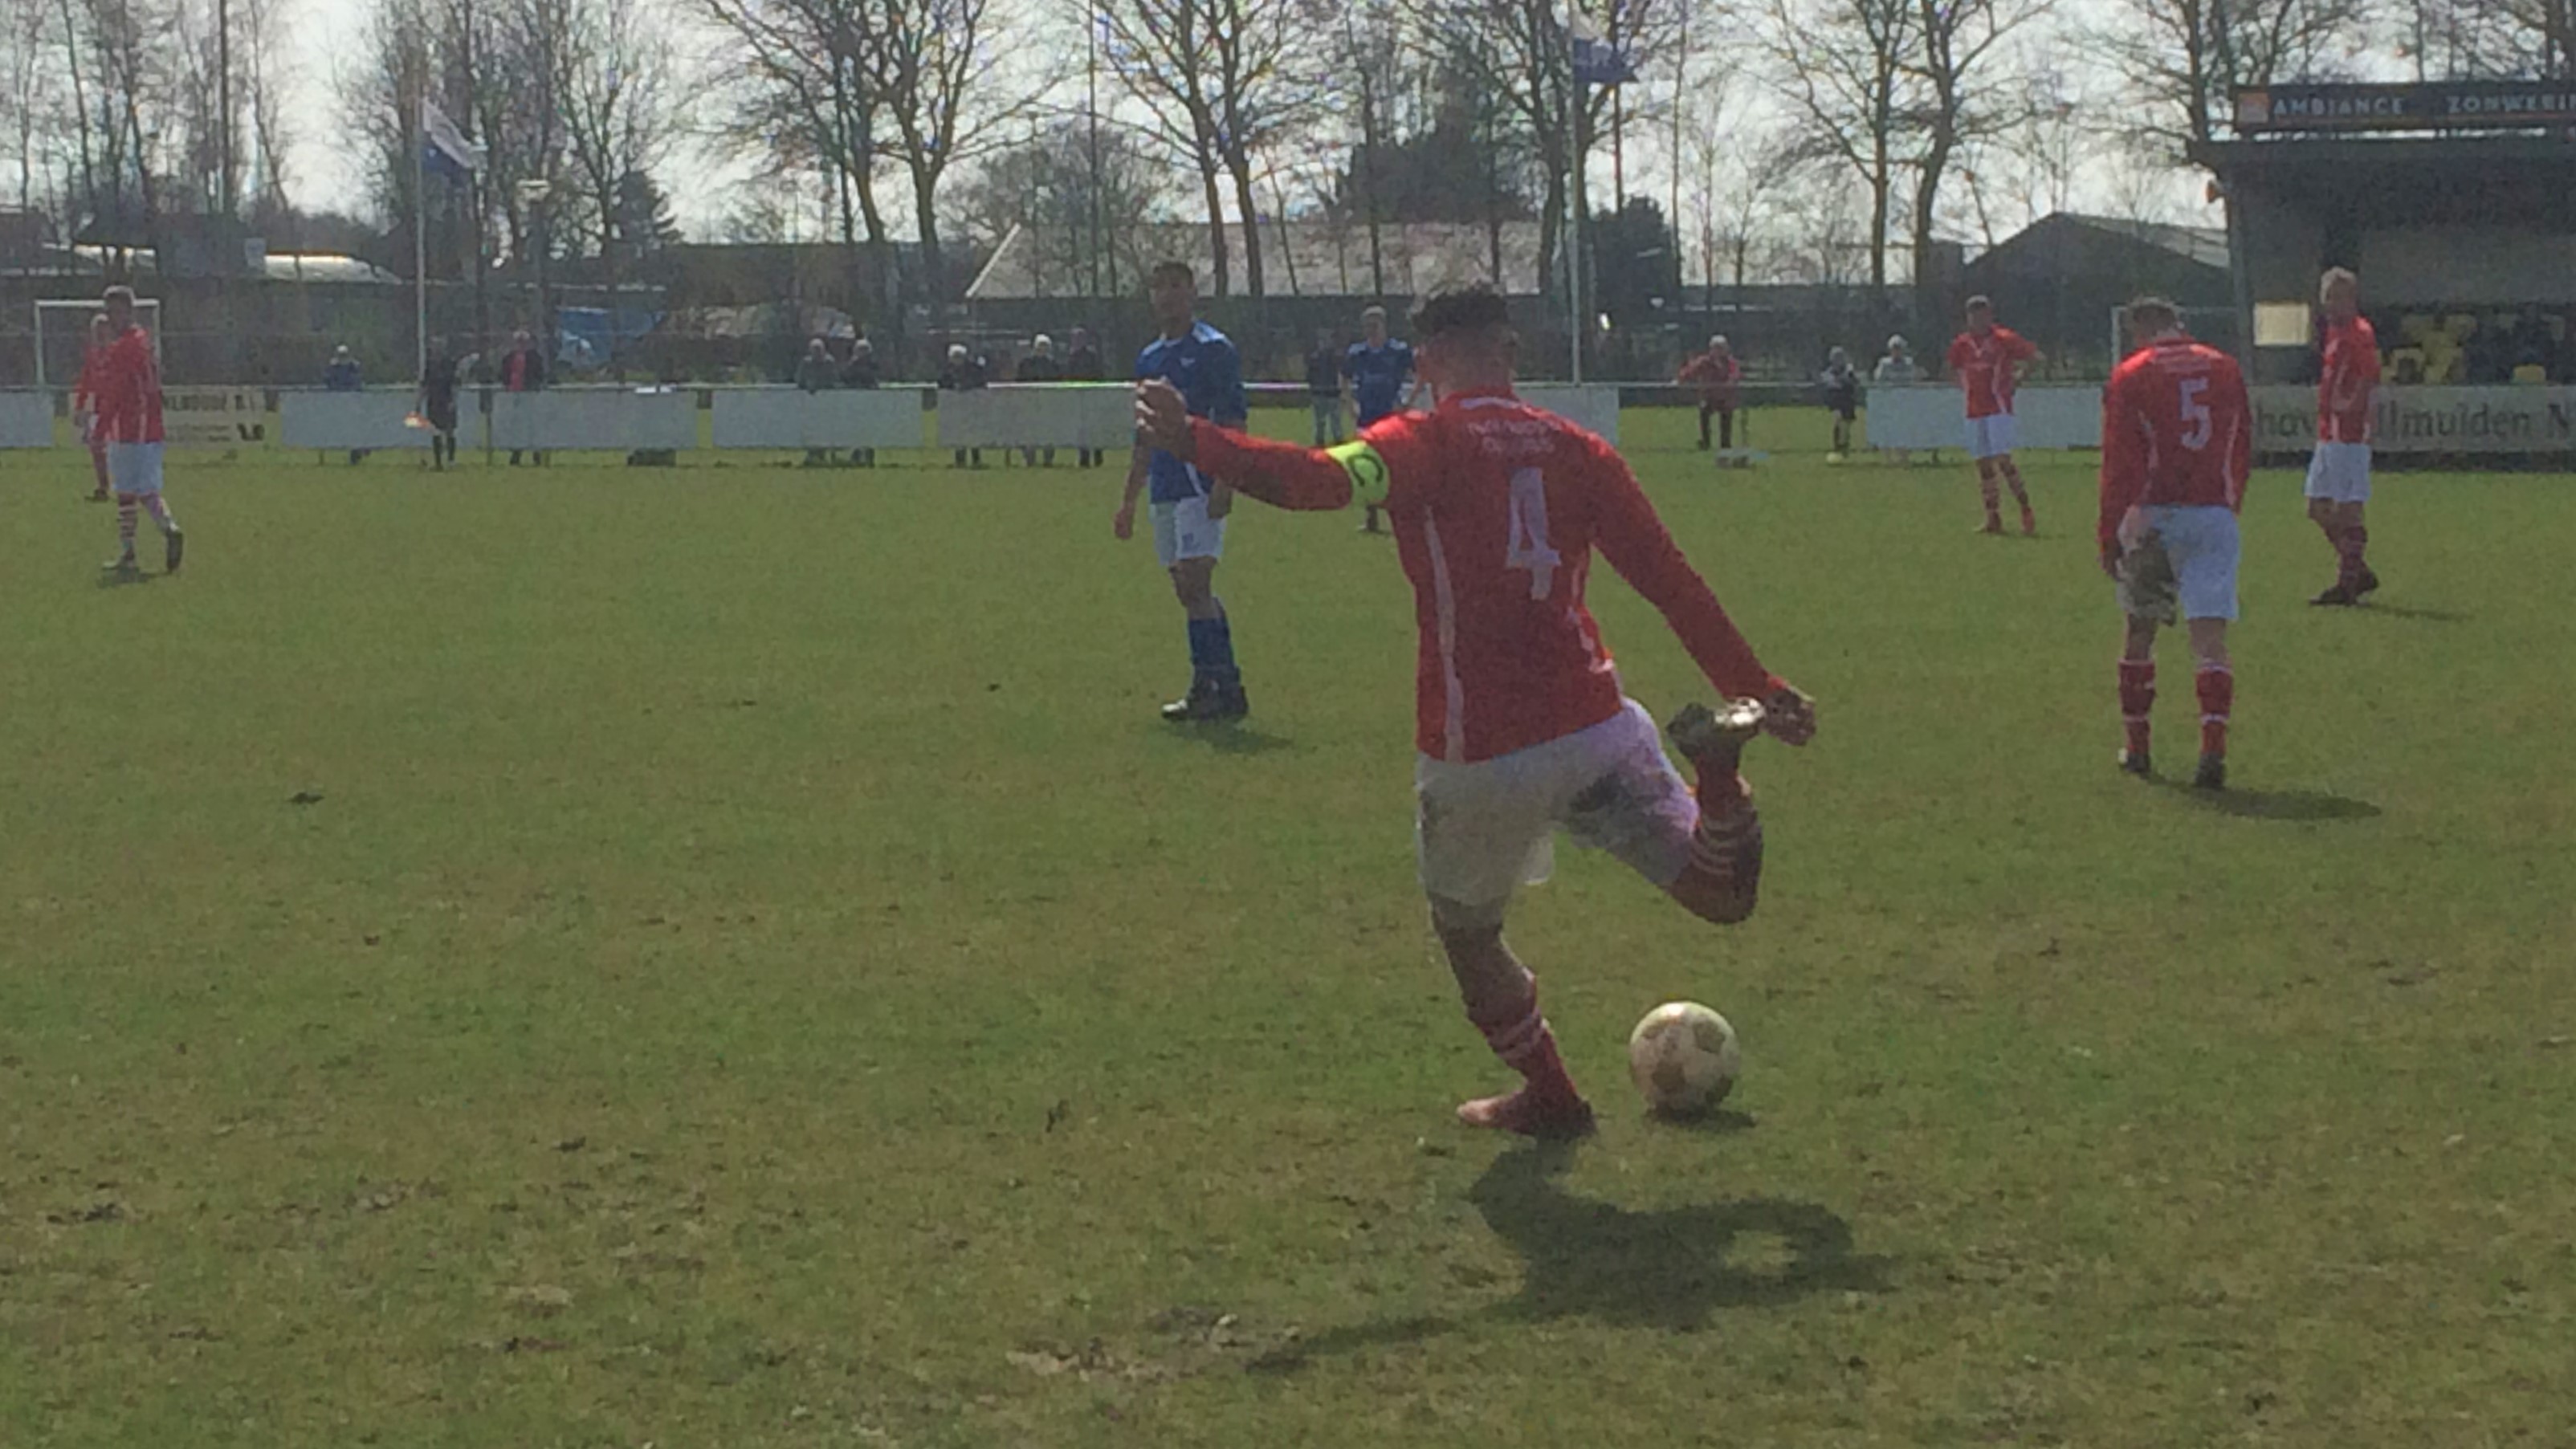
point(2186, 566)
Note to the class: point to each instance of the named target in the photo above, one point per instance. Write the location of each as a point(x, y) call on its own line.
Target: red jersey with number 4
point(129, 391)
point(2344, 387)
point(2176, 429)
point(1497, 507)
point(1984, 366)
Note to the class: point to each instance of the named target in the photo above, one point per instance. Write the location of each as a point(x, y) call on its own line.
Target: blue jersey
point(1209, 373)
point(1378, 376)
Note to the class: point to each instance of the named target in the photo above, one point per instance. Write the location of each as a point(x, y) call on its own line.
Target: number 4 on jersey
point(1528, 548)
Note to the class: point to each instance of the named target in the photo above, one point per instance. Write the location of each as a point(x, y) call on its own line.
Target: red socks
point(1522, 1038)
point(2137, 700)
point(2349, 545)
point(2217, 697)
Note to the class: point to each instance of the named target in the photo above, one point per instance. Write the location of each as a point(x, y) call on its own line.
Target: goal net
point(62, 335)
point(2213, 325)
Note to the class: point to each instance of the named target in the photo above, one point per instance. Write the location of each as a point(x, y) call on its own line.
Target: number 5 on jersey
point(1528, 548)
point(2196, 423)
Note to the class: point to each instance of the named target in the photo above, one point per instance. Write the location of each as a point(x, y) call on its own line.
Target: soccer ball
point(1684, 1058)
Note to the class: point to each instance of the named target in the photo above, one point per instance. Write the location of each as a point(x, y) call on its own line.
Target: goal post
point(62, 334)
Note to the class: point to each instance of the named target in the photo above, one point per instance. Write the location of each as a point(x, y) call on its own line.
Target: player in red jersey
point(1987, 361)
point(85, 405)
point(2339, 470)
point(1521, 725)
point(2177, 443)
point(129, 422)
point(1719, 376)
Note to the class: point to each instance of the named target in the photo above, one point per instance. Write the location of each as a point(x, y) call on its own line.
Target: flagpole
point(420, 237)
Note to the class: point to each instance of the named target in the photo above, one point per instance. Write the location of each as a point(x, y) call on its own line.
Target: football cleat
point(1992, 527)
point(2212, 774)
point(1713, 739)
point(1208, 703)
point(2136, 762)
point(121, 565)
point(1529, 1114)
point(173, 549)
point(2369, 583)
point(2337, 597)
point(2029, 524)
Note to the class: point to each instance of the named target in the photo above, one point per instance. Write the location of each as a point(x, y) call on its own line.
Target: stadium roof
point(1317, 258)
point(2206, 245)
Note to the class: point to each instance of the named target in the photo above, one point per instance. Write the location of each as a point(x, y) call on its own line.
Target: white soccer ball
point(1684, 1058)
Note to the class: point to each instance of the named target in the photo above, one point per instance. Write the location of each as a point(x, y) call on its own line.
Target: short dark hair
point(1173, 270)
point(1475, 307)
point(2154, 314)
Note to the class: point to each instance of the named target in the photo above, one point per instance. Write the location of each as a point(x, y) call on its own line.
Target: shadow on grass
point(2421, 616)
point(1707, 1124)
point(1232, 739)
point(1670, 1269)
point(123, 578)
point(2300, 805)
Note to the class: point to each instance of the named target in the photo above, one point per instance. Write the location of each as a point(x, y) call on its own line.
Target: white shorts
point(1184, 530)
point(134, 467)
point(2340, 472)
point(1482, 830)
point(1991, 436)
point(2186, 566)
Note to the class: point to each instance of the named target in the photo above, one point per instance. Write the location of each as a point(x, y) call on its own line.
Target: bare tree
point(1958, 45)
point(1216, 79)
point(2521, 38)
point(807, 103)
point(934, 68)
point(619, 115)
point(1846, 68)
point(2179, 62)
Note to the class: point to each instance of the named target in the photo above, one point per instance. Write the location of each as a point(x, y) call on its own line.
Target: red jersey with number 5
point(2176, 429)
point(1984, 366)
point(2344, 386)
point(1497, 507)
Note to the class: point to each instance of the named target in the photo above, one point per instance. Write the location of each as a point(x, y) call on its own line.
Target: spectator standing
point(341, 374)
point(860, 373)
point(1897, 369)
point(1082, 363)
point(1324, 389)
point(815, 372)
point(524, 370)
point(1841, 384)
point(438, 404)
point(965, 372)
point(1718, 375)
point(1041, 365)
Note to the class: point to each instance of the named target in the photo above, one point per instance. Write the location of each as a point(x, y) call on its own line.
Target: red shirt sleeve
point(1956, 359)
point(2124, 455)
point(2018, 347)
point(1637, 544)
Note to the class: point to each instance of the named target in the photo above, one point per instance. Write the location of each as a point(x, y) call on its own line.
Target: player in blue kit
point(1188, 507)
point(1378, 369)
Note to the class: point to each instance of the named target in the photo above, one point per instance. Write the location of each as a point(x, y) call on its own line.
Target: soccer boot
point(2029, 523)
point(1530, 1114)
point(2337, 597)
point(1991, 528)
point(96, 495)
point(1209, 703)
point(2369, 583)
point(172, 550)
point(2137, 762)
point(2212, 774)
point(122, 564)
point(1714, 739)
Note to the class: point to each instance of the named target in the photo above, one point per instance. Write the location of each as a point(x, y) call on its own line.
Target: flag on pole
point(443, 148)
point(1596, 61)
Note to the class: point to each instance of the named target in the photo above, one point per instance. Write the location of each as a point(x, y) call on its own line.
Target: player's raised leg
point(1722, 878)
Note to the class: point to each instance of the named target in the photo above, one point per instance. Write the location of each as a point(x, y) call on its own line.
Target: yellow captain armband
point(1367, 468)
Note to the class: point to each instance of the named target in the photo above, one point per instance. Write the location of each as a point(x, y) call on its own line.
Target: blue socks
point(1212, 652)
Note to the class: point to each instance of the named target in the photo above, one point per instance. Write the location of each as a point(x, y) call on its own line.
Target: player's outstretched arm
point(1637, 544)
point(1282, 475)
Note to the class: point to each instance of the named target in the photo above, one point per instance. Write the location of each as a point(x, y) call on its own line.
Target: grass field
point(757, 973)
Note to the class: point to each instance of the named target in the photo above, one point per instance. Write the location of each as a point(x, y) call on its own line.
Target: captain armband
point(1367, 469)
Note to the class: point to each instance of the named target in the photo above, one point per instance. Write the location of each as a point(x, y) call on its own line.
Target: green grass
point(758, 974)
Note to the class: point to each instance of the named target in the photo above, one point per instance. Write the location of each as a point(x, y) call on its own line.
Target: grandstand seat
point(2406, 365)
point(2530, 374)
point(2415, 327)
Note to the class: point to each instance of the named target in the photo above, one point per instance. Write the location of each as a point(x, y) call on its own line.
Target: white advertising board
point(26, 420)
point(1593, 405)
point(1042, 415)
point(607, 419)
point(786, 417)
point(333, 421)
